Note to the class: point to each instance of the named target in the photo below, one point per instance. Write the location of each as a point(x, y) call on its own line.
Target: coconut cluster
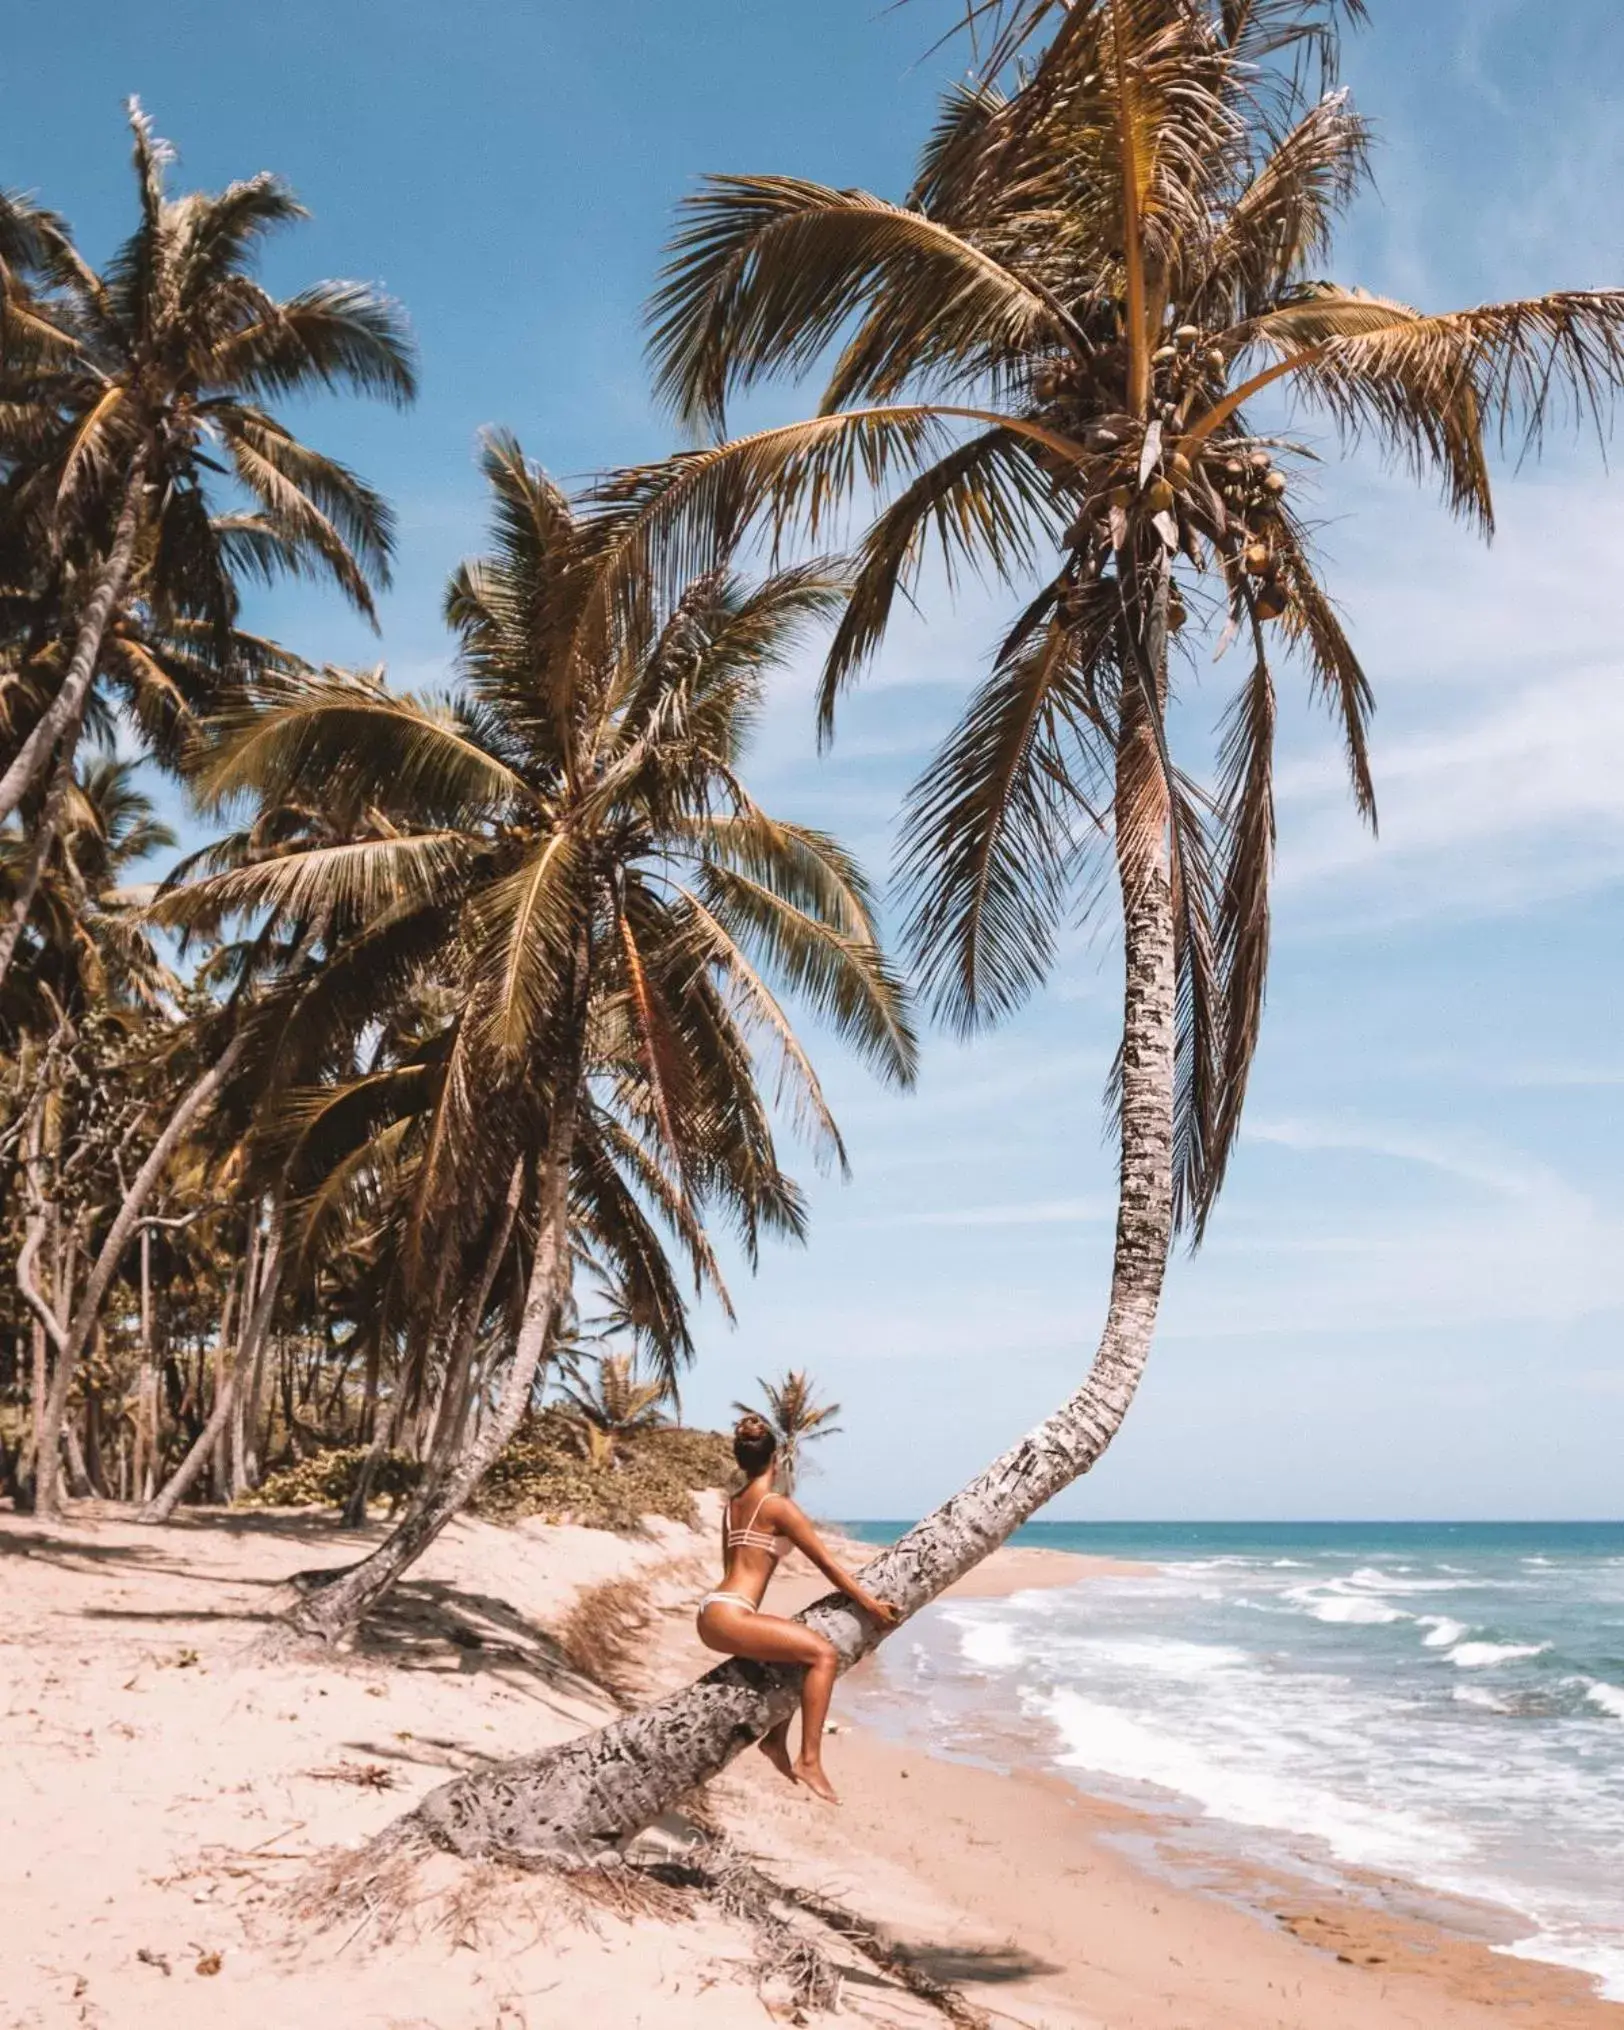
point(1252, 487)
point(1217, 493)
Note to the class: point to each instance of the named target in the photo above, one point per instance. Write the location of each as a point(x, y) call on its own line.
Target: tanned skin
point(769, 1638)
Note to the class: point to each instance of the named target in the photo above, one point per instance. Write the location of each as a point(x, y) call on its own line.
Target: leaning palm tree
point(123, 394)
point(567, 850)
point(1055, 363)
point(796, 1415)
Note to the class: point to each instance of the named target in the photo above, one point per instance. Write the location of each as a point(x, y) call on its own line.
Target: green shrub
point(327, 1479)
point(542, 1473)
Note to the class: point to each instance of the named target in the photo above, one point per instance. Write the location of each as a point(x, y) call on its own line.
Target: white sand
point(161, 1791)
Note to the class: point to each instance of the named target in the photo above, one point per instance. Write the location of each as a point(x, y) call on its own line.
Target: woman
point(758, 1527)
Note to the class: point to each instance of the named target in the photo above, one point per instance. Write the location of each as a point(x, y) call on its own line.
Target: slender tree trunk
point(342, 1603)
point(256, 1325)
point(584, 1797)
point(73, 1454)
point(47, 1331)
point(233, 1306)
point(231, 1483)
point(199, 1096)
point(62, 718)
point(459, 1382)
point(94, 1461)
point(144, 1464)
point(50, 820)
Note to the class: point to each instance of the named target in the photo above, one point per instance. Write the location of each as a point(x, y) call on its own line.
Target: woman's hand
point(886, 1612)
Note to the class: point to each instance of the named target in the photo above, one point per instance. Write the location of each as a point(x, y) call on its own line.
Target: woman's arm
point(787, 1517)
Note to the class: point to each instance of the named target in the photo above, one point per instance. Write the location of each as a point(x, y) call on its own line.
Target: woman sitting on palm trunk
point(758, 1526)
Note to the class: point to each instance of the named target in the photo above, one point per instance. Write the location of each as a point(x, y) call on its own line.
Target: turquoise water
point(1438, 1701)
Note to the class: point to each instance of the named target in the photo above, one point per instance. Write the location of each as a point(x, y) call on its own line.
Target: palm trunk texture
point(56, 802)
point(62, 718)
point(570, 1803)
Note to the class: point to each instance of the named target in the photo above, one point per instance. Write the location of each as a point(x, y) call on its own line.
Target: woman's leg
point(767, 1638)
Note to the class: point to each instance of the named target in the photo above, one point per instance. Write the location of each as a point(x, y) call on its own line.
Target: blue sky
point(1411, 1300)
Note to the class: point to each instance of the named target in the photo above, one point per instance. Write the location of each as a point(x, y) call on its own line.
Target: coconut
point(1187, 334)
point(1235, 467)
point(1274, 482)
point(1158, 496)
point(1162, 354)
point(1260, 461)
point(1216, 361)
point(1257, 558)
point(1179, 470)
point(1269, 601)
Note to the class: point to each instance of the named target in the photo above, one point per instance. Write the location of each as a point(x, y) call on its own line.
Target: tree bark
point(198, 1096)
point(62, 718)
point(47, 1331)
point(56, 798)
point(233, 1306)
point(257, 1325)
point(572, 1802)
point(339, 1605)
point(144, 1450)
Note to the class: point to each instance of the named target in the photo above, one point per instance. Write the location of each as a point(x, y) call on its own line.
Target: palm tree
point(567, 851)
point(124, 394)
point(1052, 365)
point(89, 951)
point(613, 1404)
point(796, 1415)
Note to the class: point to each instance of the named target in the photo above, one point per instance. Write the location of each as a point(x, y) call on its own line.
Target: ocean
point(1442, 1702)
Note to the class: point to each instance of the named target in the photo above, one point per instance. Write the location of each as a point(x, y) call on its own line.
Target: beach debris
point(208, 1963)
point(149, 1958)
point(365, 1775)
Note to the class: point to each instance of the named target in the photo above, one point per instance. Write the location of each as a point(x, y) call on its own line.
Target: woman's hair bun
point(754, 1442)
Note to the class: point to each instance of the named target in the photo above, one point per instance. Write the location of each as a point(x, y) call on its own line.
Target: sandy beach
point(171, 1802)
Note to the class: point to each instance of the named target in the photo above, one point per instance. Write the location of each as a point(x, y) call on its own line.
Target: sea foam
point(1610, 1698)
point(1476, 1656)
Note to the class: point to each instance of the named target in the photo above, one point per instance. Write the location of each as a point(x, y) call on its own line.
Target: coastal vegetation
point(421, 1091)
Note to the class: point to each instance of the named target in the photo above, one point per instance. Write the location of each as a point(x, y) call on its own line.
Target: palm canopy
point(88, 954)
point(557, 865)
point(791, 1407)
point(171, 353)
point(1047, 362)
point(128, 395)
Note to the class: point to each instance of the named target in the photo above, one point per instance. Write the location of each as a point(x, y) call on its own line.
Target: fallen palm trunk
point(572, 1802)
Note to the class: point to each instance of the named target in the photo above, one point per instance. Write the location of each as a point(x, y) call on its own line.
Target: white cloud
point(1516, 801)
point(1521, 1244)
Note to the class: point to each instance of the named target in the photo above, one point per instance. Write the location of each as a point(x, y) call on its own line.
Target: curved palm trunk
point(342, 1603)
point(199, 1096)
point(571, 1801)
point(62, 718)
point(56, 798)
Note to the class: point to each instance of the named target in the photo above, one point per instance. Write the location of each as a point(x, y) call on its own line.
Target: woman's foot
point(775, 1746)
point(811, 1774)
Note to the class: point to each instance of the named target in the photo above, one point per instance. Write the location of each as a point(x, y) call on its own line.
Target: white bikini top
point(773, 1542)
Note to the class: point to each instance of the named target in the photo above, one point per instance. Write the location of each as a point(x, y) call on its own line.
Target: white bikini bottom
point(733, 1599)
